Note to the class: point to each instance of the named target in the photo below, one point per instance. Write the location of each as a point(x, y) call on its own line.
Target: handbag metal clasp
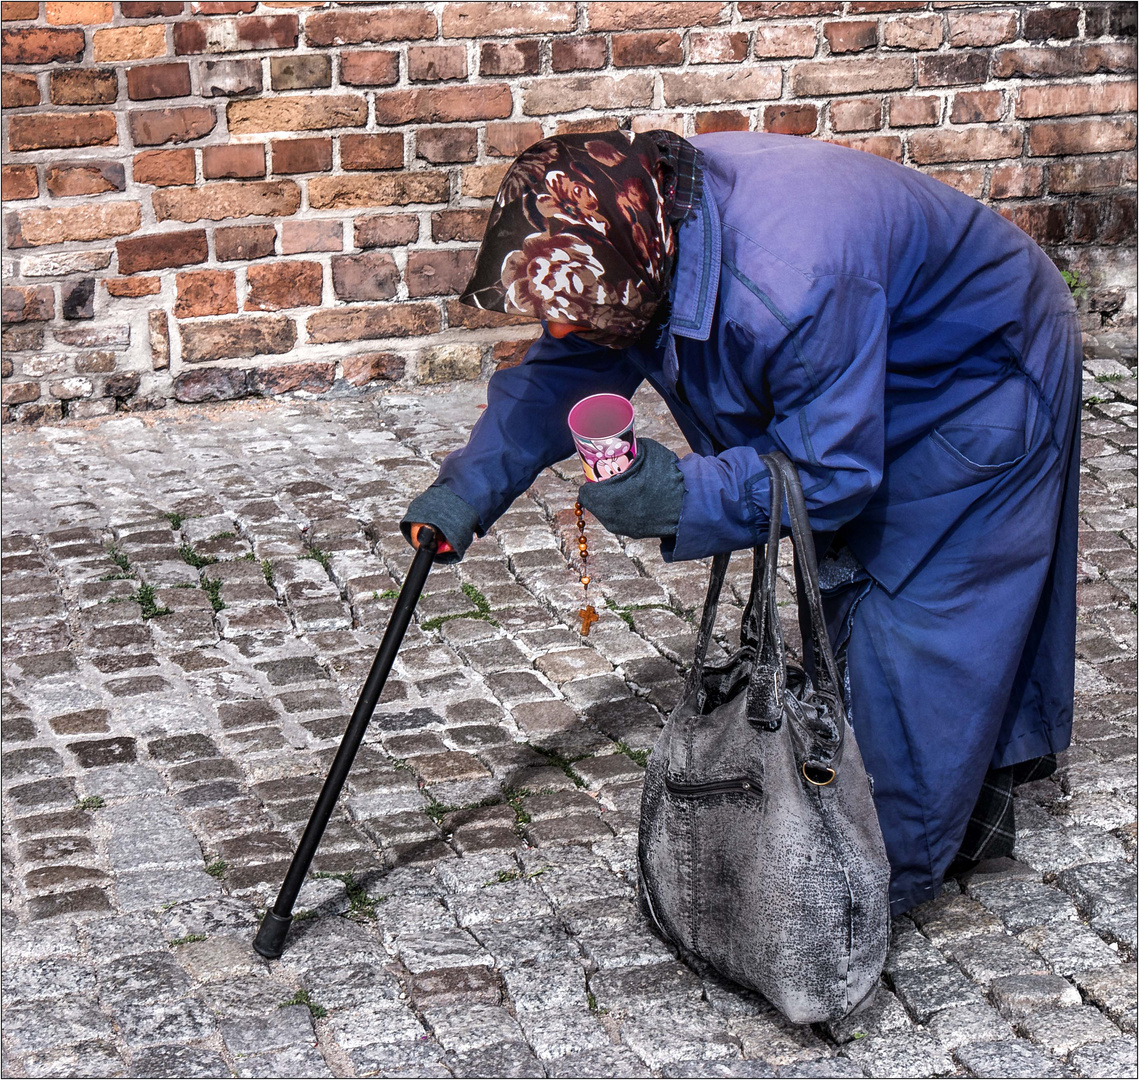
point(818, 770)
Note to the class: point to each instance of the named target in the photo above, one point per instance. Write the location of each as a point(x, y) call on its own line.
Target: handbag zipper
point(719, 787)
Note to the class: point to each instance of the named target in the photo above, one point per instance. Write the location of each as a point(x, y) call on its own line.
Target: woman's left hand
point(642, 501)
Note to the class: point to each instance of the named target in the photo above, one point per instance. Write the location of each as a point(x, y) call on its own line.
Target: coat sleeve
point(523, 429)
point(824, 365)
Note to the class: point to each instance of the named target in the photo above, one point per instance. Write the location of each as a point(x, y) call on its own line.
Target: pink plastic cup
point(602, 429)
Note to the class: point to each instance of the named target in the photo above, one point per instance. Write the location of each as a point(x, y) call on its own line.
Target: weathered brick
point(913, 32)
point(78, 12)
point(302, 236)
point(1016, 181)
point(885, 146)
point(717, 47)
point(782, 9)
point(302, 155)
point(729, 120)
point(51, 131)
point(508, 20)
point(84, 86)
point(578, 53)
point(78, 299)
point(205, 292)
point(969, 182)
point(229, 78)
point(40, 45)
point(487, 101)
point(71, 389)
point(235, 35)
point(150, 9)
point(585, 127)
point(968, 144)
point(977, 106)
point(732, 84)
point(277, 285)
point(235, 161)
point(165, 250)
point(131, 287)
point(19, 182)
point(372, 322)
point(226, 339)
point(154, 127)
point(370, 367)
point(878, 7)
point(385, 230)
point(1044, 24)
point(158, 337)
point(216, 202)
point(1076, 99)
point(302, 71)
point(971, 28)
point(128, 43)
point(399, 189)
point(379, 67)
point(209, 384)
point(445, 144)
point(822, 78)
point(439, 271)
point(305, 112)
point(953, 69)
point(908, 110)
point(647, 50)
point(373, 276)
point(1083, 174)
point(1091, 136)
point(28, 303)
point(663, 121)
point(17, 393)
point(464, 225)
point(312, 376)
point(223, 7)
point(59, 263)
point(15, 10)
point(435, 63)
point(483, 181)
point(149, 81)
point(508, 58)
point(347, 27)
point(20, 91)
point(382, 151)
point(99, 221)
point(847, 37)
point(784, 40)
point(163, 168)
point(84, 177)
point(244, 242)
point(635, 16)
point(511, 138)
point(858, 114)
point(784, 120)
point(1044, 222)
point(1111, 58)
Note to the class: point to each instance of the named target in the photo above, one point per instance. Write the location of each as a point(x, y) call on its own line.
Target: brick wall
point(211, 200)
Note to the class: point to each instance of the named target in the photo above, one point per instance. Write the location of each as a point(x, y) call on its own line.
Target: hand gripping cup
point(602, 429)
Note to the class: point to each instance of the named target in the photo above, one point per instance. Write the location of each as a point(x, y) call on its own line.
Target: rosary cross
point(588, 617)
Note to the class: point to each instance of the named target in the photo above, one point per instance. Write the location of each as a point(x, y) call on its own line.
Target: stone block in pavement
point(823, 1068)
point(1100, 888)
point(1021, 904)
point(883, 1015)
point(969, 1024)
point(596, 772)
point(283, 1027)
point(910, 949)
point(927, 991)
point(986, 957)
point(1069, 948)
point(644, 989)
point(1008, 1059)
point(1115, 1057)
point(662, 1036)
point(462, 1028)
point(777, 1042)
point(560, 1033)
point(184, 1021)
point(612, 1061)
point(304, 1061)
point(91, 1058)
point(1114, 990)
point(1060, 1031)
point(1018, 995)
point(901, 1054)
point(174, 1061)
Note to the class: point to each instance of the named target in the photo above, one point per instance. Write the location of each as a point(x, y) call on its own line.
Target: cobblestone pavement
point(192, 599)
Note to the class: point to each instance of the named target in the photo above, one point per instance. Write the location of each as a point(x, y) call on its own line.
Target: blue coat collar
point(697, 273)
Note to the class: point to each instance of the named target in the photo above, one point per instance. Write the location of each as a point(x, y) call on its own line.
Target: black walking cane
point(270, 939)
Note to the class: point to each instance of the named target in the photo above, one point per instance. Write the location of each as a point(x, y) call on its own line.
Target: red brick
point(128, 43)
point(131, 287)
point(40, 45)
point(969, 182)
point(154, 127)
point(297, 112)
point(510, 139)
point(967, 144)
point(885, 146)
point(238, 161)
point(782, 40)
point(434, 63)
point(347, 27)
point(19, 182)
point(508, 354)
point(463, 225)
point(912, 111)
point(647, 50)
point(970, 28)
point(738, 84)
point(1076, 174)
point(149, 9)
point(235, 35)
point(822, 78)
point(302, 155)
point(162, 251)
point(508, 58)
point(439, 271)
point(304, 71)
point(223, 7)
point(461, 317)
point(601, 92)
point(385, 230)
point(303, 236)
point(585, 127)
point(58, 224)
point(913, 32)
point(311, 376)
point(34, 303)
point(846, 37)
point(1044, 222)
point(507, 19)
point(486, 101)
point(577, 53)
point(859, 114)
point(19, 91)
point(729, 120)
point(374, 321)
point(1016, 181)
point(14, 10)
point(658, 121)
point(209, 384)
point(1115, 19)
point(244, 242)
point(1092, 136)
point(84, 86)
point(43, 131)
point(163, 168)
point(445, 144)
point(637, 16)
point(1076, 99)
point(218, 201)
point(783, 120)
point(151, 81)
point(383, 151)
point(372, 68)
point(483, 181)
point(1112, 58)
point(65, 178)
point(977, 106)
point(878, 7)
point(370, 367)
point(277, 285)
point(1047, 24)
point(953, 69)
point(373, 276)
point(782, 9)
point(717, 47)
point(233, 338)
point(205, 292)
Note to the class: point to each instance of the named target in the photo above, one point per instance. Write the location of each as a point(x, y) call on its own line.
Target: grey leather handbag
point(760, 850)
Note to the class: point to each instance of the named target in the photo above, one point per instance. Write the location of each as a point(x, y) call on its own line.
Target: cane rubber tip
point(270, 939)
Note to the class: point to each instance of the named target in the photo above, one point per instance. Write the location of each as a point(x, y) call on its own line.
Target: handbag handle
point(695, 679)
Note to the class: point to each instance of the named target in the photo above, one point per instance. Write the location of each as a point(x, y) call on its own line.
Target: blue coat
point(918, 357)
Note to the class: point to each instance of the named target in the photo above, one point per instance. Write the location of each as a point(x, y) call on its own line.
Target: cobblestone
point(157, 772)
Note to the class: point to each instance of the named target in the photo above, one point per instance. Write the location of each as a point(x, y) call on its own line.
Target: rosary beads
point(587, 614)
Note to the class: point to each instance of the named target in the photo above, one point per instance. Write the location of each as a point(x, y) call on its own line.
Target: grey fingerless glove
point(442, 509)
point(644, 500)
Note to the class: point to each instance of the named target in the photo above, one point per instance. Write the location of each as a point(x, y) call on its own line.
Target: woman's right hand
point(443, 547)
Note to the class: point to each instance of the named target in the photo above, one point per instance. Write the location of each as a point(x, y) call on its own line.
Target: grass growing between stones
point(641, 757)
point(92, 802)
point(482, 611)
point(145, 600)
point(315, 553)
point(267, 570)
point(319, 1012)
point(212, 588)
point(187, 939)
point(360, 903)
point(625, 612)
point(514, 797)
point(189, 555)
point(217, 868)
point(558, 761)
point(122, 562)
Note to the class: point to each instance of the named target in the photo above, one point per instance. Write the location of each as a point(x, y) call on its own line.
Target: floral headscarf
point(583, 231)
